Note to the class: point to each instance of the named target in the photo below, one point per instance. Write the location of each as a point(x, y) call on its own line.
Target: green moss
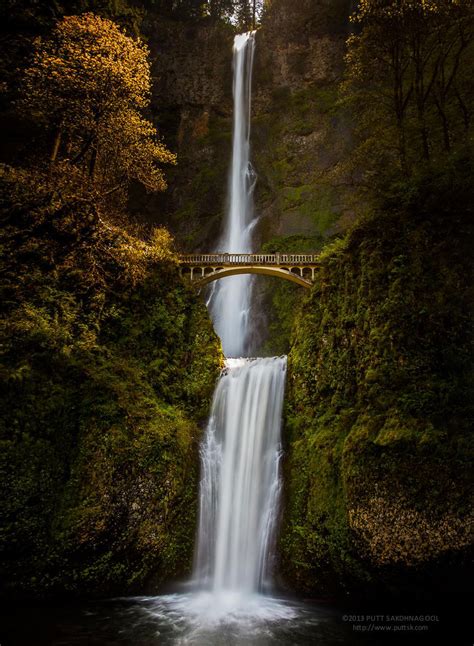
point(378, 414)
point(314, 202)
point(107, 375)
point(284, 299)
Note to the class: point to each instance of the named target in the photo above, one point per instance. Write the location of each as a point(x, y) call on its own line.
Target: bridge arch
point(266, 271)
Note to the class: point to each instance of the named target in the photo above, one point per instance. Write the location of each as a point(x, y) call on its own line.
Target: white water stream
point(241, 450)
point(230, 299)
point(240, 454)
point(240, 483)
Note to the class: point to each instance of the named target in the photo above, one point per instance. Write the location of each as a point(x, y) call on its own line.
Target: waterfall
point(240, 453)
point(241, 449)
point(228, 597)
point(240, 482)
point(230, 299)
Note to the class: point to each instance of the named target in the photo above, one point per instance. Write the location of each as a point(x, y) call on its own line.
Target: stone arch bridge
point(202, 269)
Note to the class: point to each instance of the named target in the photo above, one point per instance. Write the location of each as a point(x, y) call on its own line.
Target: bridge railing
point(248, 259)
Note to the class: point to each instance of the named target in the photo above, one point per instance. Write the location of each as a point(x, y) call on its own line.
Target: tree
point(220, 9)
point(247, 13)
point(408, 82)
point(90, 82)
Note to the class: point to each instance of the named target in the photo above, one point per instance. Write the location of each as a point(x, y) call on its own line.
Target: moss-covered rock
point(108, 365)
point(379, 417)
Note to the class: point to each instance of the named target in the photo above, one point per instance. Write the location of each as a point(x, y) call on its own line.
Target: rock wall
point(299, 131)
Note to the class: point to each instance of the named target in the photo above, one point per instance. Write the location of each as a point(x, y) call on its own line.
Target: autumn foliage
point(89, 83)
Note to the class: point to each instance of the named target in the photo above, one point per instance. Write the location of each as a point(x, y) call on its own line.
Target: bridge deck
point(232, 259)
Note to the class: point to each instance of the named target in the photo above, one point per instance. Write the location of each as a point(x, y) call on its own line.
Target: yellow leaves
point(136, 256)
point(161, 245)
point(93, 79)
point(136, 152)
point(90, 61)
point(395, 10)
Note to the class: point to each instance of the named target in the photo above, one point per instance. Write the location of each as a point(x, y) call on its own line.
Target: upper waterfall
point(230, 299)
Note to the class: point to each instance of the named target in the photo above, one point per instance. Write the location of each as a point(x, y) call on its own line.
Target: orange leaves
point(89, 64)
point(90, 81)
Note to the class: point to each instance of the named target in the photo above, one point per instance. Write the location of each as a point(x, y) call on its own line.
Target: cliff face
point(192, 103)
point(297, 127)
point(299, 135)
point(379, 412)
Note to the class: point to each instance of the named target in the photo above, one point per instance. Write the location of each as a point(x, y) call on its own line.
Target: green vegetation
point(409, 89)
point(132, 12)
point(380, 408)
point(379, 414)
point(245, 13)
point(108, 359)
point(283, 299)
point(108, 367)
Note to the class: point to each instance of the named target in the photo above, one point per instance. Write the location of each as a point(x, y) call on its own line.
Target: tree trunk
point(400, 102)
point(423, 134)
point(464, 111)
point(56, 145)
point(440, 105)
point(402, 148)
point(93, 162)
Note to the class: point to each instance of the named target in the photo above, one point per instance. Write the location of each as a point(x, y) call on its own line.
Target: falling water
point(240, 482)
point(230, 299)
point(240, 454)
point(241, 450)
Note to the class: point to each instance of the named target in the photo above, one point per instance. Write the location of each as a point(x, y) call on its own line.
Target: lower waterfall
point(240, 477)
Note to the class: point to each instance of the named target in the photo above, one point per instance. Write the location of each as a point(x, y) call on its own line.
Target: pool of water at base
point(201, 619)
